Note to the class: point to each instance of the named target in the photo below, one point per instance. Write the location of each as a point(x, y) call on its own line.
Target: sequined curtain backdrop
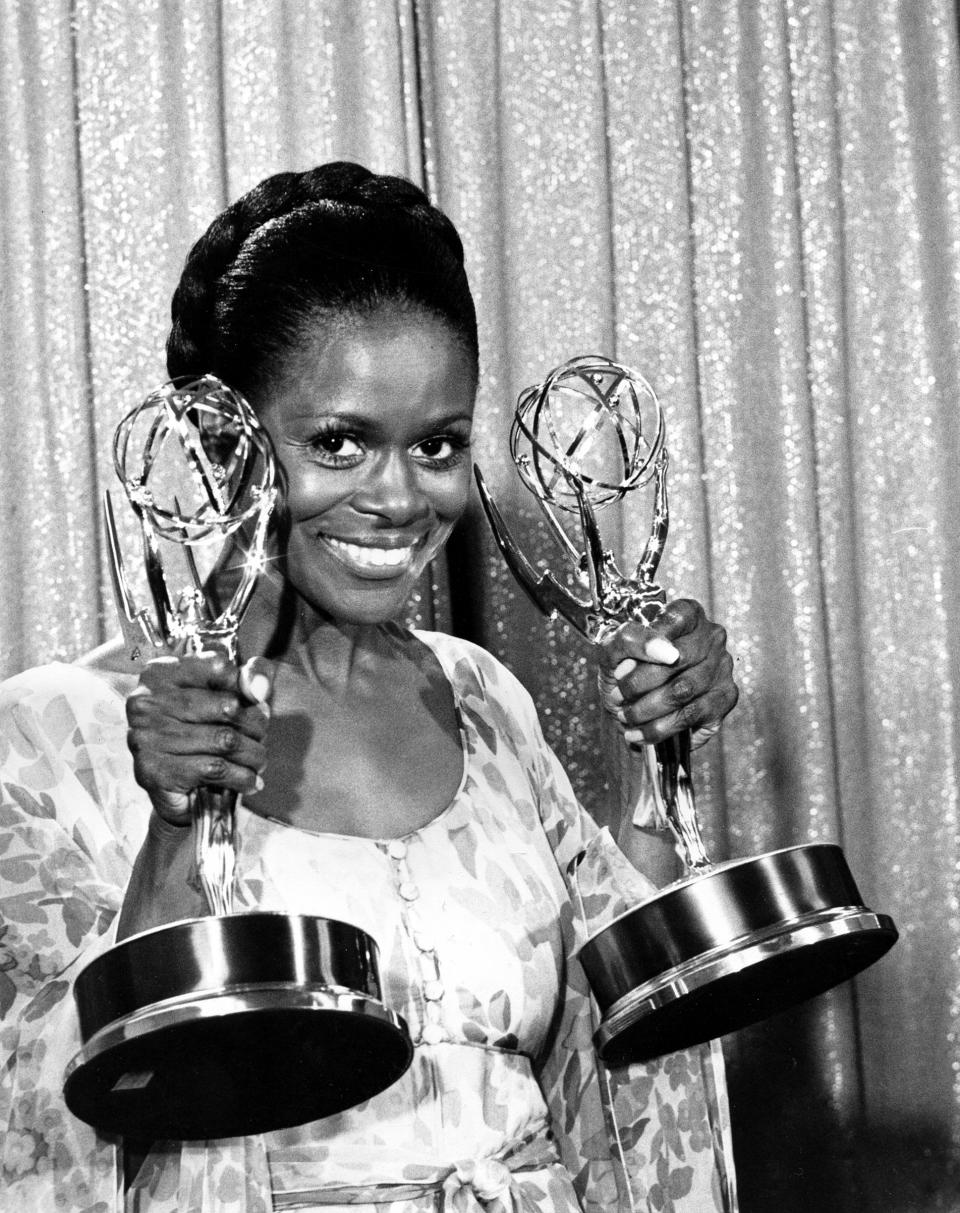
point(757, 204)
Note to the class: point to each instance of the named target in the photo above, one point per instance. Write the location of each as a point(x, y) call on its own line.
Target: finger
point(185, 704)
point(256, 680)
point(685, 687)
point(155, 721)
point(679, 635)
point(701, 652)
point(209, 707)
point(679, 618)
point(652, 691)
point(165, 776)
point(635, 642)
point(213, 670)
point(701, 714)
point(633, 639)
point(214, 740)
point(704, 734)
point(627, 650)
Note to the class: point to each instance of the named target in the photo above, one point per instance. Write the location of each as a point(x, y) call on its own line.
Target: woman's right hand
point(196, 721)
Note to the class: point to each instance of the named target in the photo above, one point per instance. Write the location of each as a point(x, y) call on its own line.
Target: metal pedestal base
point(717, 952)
point(227, 1026)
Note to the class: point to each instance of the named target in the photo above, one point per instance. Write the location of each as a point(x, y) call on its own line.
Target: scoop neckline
point(385, 840)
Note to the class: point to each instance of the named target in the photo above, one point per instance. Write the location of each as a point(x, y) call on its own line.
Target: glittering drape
point(757, 203)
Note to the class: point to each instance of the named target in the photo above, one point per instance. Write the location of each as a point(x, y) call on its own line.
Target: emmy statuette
point(236, 1022)
point(728, 944)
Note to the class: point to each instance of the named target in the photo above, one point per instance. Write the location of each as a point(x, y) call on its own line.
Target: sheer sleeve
point(646, 1136)
point(71, 821)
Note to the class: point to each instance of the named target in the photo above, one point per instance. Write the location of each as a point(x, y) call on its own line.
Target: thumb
point(631, 643)
point(256, 679)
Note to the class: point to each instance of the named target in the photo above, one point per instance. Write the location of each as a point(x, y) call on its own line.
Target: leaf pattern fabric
point(505, 1107)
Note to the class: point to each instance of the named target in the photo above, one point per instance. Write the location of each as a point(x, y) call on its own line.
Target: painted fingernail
point(634, 736)
point(258, 687)
point(613, 696)
point(258, 784)
point(660, 650)
point(627, 666)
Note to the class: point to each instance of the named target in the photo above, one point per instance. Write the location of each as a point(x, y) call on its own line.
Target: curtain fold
point(757, 205)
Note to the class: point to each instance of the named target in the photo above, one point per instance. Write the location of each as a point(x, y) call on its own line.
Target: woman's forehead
point(407, 359)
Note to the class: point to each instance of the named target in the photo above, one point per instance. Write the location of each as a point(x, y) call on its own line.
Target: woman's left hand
point(675, 674)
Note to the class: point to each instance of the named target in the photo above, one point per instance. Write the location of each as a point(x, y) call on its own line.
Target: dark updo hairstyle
point(302, 248)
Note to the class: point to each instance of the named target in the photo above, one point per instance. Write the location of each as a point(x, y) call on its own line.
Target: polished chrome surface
point(589, 434)
point(730, 943)
point(200, 473)
point(592, 432)
point(200, 955)
point(712, 954)
point(222, 1026)
point(233, 1023)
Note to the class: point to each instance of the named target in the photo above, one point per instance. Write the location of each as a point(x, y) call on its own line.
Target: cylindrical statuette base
point(232, 1025)
point(716, 952)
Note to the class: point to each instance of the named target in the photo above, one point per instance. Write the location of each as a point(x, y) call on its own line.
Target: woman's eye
point(435, 448)
point(443, 449)
point(336, 447)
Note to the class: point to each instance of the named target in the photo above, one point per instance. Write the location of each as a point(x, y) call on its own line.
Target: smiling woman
point(372, 426)
point(394, 779)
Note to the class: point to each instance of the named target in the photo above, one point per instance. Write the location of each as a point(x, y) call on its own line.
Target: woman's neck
point(284, 628)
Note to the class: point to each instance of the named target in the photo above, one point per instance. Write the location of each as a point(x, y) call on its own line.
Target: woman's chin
point(362, 601)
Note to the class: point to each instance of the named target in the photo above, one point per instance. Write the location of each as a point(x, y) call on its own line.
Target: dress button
point(433, 990)
point(409, 891)
point(423, 940)
point(397, 848)
point(433, 1034)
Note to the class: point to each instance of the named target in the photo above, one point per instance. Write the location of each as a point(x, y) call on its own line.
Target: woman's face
point(372, 426)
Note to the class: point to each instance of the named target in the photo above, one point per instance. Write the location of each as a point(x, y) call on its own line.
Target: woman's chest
point(381, 766)
point(465, 914)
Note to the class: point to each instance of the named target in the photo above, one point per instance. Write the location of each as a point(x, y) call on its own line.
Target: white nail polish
point(258, 686)
point(660, 650)
point(627, 666)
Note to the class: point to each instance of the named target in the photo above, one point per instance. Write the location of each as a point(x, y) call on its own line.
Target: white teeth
point(371, 557)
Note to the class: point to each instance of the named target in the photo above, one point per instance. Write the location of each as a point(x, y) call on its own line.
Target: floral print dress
point(505, 1108)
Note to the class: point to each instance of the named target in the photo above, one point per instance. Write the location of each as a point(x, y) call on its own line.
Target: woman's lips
point(372, 560)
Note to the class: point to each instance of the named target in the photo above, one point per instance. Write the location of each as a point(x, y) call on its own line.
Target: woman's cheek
point(311, 491)
point(452, 501)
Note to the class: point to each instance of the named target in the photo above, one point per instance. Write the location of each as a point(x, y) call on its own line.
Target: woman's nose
point(393, 491)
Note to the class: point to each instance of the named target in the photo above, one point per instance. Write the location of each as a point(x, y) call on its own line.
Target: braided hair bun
point(302, 248)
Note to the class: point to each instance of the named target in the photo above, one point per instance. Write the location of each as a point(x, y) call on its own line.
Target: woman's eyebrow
point(311, 416)
point(371, 421)
point(449, 419)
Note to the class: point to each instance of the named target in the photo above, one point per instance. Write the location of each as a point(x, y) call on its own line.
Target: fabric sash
point(481, 1185)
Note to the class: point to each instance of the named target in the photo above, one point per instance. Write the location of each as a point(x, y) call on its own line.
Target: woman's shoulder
point(88, 685)
point(488, 694)
point(112, 664)
point(474, 670)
